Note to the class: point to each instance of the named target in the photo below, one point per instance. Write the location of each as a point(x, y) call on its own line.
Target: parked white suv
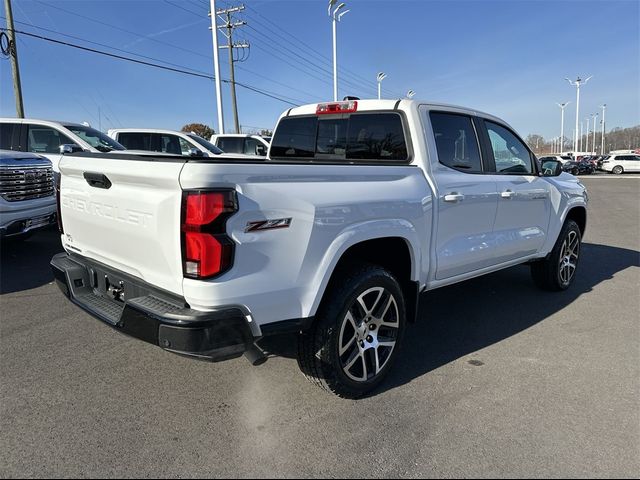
point(171, 142)
point(241, 143)
point(619, 164)
point(27, 200)
point(360, 207)
point(45, 138)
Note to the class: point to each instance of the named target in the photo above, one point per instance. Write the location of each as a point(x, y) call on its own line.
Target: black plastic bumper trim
point(162, 321)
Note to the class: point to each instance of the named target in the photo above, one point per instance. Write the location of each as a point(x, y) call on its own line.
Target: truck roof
point(43, 122)
point(391, 104)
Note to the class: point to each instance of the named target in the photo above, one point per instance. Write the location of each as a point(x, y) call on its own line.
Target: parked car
point(360, 207)
point(241, 143)
point(578, 168)
point(46, 137)
point(171, 142)
point(27, 200)
point(619, 164)
point(560, 158)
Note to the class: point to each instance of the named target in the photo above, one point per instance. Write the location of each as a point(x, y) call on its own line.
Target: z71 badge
point(268, 225)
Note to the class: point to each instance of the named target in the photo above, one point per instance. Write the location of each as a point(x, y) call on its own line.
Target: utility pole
point(226, 16)
point(13, 53)
point(216, 65)
point(587, 139)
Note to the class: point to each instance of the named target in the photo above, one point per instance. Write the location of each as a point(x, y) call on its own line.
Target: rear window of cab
point(357, 137)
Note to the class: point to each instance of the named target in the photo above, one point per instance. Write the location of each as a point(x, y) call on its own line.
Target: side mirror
point(194, 152)
point(260, 150)
point(70, 148)
point(551, 168)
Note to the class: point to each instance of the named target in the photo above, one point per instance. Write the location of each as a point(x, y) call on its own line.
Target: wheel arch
point(396, 250)
point(579, 215)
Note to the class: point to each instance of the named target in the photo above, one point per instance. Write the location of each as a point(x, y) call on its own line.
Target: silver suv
point(27, 196)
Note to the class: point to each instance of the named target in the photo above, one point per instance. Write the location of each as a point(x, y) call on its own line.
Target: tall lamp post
point(562, 107)
point(379, 78)
point(336, 15)
point(576, 83)
point(587, 139)
point(593, 138)
point(603, 107)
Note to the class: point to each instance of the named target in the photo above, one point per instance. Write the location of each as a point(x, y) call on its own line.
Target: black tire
point(618, 170)
point(551, 273)
point(319, 348)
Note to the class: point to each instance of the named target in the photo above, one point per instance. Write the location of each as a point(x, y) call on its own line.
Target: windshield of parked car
point(208, 145)
point(95, 138)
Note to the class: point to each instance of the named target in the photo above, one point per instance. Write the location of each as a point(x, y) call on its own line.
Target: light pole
point(603, 107)
point(587, 139)
point(593, 139)
point(335, 15)
point(381, 76)
point(216, 65)
point(562, 107)
point(580, 142)
point(410, 94)
point(577, 84)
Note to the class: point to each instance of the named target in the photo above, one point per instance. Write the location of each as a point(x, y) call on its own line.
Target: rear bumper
point(150, 315)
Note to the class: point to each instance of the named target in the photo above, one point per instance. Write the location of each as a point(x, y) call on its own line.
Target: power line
point(149, 64)
point(181, 7)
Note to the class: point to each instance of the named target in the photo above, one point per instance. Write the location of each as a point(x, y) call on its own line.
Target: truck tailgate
point(125, 213)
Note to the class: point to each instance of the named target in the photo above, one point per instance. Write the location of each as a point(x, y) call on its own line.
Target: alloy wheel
point(368, 334)
point(569, 257)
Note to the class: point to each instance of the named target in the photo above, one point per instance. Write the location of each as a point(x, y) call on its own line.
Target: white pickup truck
point(359, 208)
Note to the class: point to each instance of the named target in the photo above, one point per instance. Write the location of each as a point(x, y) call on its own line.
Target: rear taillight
point(207, 250)
point(58, 211)
point(349, 106)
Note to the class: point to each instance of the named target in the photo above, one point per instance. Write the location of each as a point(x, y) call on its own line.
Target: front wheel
point(356, 335)
point(557, 271)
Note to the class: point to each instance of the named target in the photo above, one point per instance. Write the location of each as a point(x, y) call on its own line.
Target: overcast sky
point(508, 58)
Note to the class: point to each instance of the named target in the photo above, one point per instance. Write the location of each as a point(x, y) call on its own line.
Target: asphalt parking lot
point(498, 379)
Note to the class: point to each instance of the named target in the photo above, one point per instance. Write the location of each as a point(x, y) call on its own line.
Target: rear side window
point(135, 141)
point(231, 144)
point(7, 132)
point(456, 142)
point(363, 136)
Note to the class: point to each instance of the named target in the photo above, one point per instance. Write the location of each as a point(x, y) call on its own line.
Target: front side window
point(43, 139)
point(207, 145)
point(170, 144)
point(95, 138)
point(510, 154)
point(456, 142)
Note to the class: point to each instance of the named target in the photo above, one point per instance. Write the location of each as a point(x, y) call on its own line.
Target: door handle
point(508, 194)
point(453, 197)
point(97, 180)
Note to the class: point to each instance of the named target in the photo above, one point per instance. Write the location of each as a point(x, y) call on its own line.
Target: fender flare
point(353, 235)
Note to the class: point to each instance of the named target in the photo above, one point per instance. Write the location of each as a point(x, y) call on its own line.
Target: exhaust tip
point(255, 355)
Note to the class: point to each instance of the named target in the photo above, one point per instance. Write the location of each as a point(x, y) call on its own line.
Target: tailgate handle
point(97, 180)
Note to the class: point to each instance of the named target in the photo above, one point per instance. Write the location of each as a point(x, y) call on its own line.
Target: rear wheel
point(353, 343)
point(557, 271)
point(617, 170)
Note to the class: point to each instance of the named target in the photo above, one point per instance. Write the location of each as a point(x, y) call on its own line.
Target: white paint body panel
point(282, 274)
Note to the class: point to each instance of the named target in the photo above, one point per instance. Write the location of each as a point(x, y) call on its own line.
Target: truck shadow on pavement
point(461, 319)
point(24, 264)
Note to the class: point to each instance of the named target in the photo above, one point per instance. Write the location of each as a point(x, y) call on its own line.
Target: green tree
point(199, 129)
point(266, 132)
